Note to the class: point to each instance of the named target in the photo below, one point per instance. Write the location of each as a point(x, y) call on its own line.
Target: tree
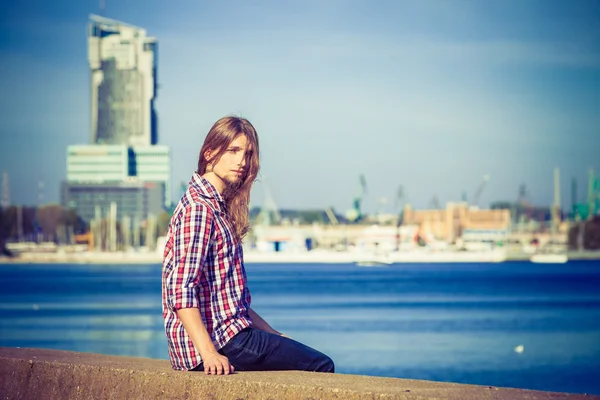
point(573, 237)
point(5, 228)
point(50, 217)
point(70, 218)
point(591, 234)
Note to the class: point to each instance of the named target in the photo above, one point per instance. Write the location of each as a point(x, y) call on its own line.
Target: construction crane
point(399, 209)
point(592, 194)
point(556, 211)
point(269, 212)
point(477, 195)
point(588, 209)
point(520, 207)
point(331, 215)
point(355, 214)
point(399, 199)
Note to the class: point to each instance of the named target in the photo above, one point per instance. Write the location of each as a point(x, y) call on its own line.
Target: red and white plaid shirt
point(202, 268)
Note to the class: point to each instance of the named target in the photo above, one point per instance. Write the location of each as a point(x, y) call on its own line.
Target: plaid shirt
point(202, 268)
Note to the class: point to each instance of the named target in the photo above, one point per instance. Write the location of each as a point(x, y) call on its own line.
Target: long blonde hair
point(237, 198)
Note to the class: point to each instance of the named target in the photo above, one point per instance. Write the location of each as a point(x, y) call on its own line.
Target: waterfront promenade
point(53, 374)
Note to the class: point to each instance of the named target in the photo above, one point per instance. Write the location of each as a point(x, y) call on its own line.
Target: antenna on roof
point(102, 7)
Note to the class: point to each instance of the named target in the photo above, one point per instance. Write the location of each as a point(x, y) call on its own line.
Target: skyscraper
point(123, 63)
point(123, 164)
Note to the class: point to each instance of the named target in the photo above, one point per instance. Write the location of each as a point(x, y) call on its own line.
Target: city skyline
point(428, 95)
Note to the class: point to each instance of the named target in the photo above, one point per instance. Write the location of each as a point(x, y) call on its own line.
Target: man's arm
point(192, 233)
point(214, 363)
point(260, 323)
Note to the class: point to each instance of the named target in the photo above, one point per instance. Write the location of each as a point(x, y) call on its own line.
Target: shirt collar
point(205, 188)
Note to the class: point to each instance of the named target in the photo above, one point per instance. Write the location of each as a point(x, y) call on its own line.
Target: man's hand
point(216, 364)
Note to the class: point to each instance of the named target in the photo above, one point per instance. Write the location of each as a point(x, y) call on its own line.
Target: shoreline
point(313, 257)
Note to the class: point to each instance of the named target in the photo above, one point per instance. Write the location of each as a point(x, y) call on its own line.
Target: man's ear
point(207, 154)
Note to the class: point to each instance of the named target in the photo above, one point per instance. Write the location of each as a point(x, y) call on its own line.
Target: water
point(443, 322)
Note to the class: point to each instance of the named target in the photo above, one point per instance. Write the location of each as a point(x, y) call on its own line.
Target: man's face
point(231, 167)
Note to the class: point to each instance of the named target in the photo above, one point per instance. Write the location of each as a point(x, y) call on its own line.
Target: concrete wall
point(51, 374)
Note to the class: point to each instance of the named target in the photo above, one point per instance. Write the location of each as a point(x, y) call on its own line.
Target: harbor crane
point(331, 215)
point(269, 212)
point(477, 195)
point(355, 214)
point(399, 209)
point(399, 199)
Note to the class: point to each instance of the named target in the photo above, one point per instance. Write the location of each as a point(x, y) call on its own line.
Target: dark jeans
point(256, 350)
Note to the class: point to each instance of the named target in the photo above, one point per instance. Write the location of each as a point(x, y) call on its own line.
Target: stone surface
point(52, 374)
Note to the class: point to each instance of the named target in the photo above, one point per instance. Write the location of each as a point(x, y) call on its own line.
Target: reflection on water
point(517, 324)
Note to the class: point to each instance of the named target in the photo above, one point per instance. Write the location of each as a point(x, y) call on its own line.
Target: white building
point(123, 63)
point(152, 164)
point(107, 163)
point(119, 163)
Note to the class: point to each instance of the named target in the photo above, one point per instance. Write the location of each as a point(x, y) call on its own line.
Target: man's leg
point(255, 350)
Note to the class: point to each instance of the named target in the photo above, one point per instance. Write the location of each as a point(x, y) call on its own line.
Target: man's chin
point(234, 183)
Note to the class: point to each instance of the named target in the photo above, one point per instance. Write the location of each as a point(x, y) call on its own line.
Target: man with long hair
point(209, 324)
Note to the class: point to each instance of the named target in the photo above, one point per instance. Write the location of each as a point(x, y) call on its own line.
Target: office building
point(109, 163)
point(134, 199)
point(152, 164)
point(114, 164)
point(123, 164)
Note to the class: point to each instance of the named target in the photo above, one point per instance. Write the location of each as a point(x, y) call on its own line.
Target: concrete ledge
point(51, 374)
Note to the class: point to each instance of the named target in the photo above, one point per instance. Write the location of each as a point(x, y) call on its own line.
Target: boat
point(549, 258)
point(373, 263)
point(372, 259)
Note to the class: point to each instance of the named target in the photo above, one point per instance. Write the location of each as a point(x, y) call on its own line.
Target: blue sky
point(426, 94)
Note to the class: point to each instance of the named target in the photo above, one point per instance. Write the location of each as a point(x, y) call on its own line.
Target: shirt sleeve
point(192, 242)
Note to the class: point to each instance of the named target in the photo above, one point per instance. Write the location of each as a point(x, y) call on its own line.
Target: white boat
point(373, 263)
point(549, 258)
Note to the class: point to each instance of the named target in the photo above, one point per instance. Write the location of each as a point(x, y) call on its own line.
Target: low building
point(134, 199)
point(114, 164)
point(458, 219)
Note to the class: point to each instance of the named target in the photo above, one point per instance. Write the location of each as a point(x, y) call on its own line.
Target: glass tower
point(123, 62)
